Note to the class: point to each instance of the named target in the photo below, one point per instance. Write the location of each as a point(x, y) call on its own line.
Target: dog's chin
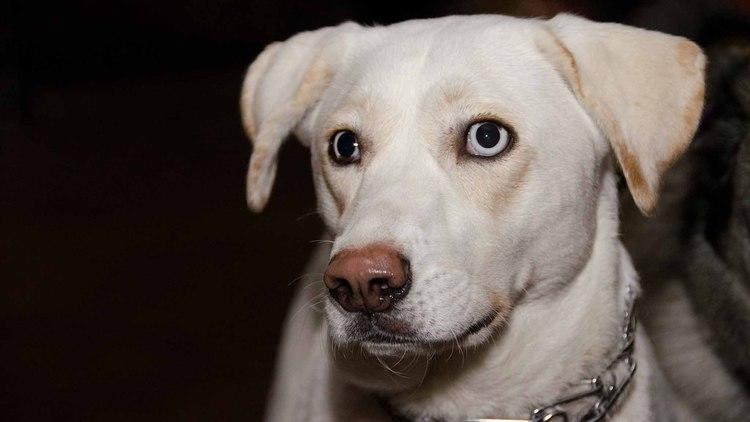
point(385, 344)
point(368, 357)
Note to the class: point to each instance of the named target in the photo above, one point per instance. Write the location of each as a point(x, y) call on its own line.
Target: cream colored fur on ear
point(644, 89)
point(281, 85)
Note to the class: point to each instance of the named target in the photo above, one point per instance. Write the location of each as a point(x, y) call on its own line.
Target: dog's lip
point(477, 326)
point(378, 336)
point(385, 337)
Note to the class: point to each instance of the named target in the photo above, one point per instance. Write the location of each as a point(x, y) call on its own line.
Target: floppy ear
point(644, 89)
point(281, 85)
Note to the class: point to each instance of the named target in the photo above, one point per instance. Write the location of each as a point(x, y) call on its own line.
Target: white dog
point(464, 171)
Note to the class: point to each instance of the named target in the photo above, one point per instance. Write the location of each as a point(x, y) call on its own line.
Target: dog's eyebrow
point(359, 103)
point(362, 111)
point(453, 91)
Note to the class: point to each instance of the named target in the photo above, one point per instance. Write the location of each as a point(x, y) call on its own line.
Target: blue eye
point(486, 139)
point(344, 147)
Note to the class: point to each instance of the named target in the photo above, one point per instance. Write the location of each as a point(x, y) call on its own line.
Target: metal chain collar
point(605, 388)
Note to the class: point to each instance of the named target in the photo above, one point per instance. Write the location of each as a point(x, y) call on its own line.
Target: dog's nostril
point(341, 291)
point(340, 282)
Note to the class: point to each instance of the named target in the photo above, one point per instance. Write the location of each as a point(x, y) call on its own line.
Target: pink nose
point(369, 279)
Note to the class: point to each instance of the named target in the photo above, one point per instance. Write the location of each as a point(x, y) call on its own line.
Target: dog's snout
point(369, 279)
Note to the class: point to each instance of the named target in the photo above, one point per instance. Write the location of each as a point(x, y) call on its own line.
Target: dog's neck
point(551, 343)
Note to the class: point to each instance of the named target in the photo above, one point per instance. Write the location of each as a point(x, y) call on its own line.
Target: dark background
point(134, 283)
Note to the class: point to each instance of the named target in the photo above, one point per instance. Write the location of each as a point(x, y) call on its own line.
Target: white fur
point(530, 236)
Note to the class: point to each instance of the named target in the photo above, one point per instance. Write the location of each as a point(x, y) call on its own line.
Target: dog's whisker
point(316, 305)
point(450, 355)
point(313, 283)
point(428, 360)
point(403, 354)
point(461, 351)
point(388, 368)
point(317, 299)
point(315, 275)
point(306, 215)
point(309, 304)
point(458, 346)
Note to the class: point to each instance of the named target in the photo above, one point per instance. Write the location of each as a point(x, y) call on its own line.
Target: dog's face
point(477, 225)
point(472, 147)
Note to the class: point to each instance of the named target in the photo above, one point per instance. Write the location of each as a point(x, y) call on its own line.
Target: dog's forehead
point(428, 51)
point(421, 64)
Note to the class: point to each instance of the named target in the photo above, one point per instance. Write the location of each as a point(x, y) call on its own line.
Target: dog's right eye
point(344, 147)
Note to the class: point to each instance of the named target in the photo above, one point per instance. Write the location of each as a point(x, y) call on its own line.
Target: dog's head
point(459, 162)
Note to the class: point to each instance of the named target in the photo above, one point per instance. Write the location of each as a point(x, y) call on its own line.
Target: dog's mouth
point(379, 338)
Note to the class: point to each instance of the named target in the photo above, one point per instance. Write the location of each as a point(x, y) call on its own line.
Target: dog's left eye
point(486, 139)
point(344, 147)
